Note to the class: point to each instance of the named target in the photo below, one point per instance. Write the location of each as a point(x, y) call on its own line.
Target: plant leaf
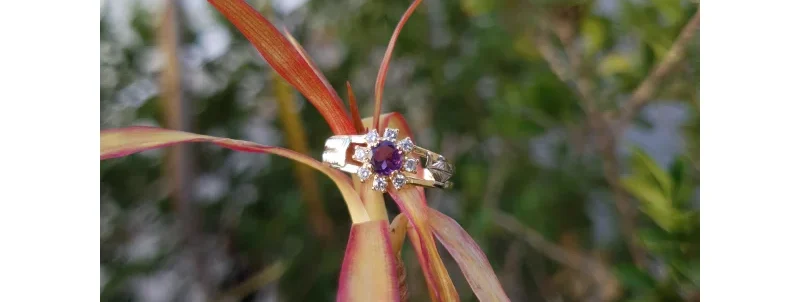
point(469, 256)
point(644, 165)
point(368, 269)
point(387, 57)
point(288, 60)
point(125, 141)
point(413, 204)
point(654, 202)
point(354, 110)
point(412, 235)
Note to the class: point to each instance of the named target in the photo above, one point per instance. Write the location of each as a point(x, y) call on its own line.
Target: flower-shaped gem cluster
point(386, 158)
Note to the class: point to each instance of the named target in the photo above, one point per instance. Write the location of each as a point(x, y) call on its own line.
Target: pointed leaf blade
point(411, 202)
point(387, 57)
point(469, 256)
point(354, 110)
point(288, 60)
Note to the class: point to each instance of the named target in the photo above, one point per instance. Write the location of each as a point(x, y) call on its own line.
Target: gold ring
point(388, 160)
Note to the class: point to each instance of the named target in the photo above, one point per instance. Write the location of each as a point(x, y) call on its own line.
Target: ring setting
point(388, 160)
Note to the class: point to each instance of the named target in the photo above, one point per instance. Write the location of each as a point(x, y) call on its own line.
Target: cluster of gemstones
point(386, 158)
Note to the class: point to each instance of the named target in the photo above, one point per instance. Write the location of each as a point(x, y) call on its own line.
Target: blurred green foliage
point(471, 81)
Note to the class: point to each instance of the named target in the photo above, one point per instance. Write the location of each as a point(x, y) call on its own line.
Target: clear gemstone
point(362, 154)
point(390, 134)
point(406, 144)
point(364, 172)
point(398, 181)
point(372, 137)
point(410, 165)
point(379, 184)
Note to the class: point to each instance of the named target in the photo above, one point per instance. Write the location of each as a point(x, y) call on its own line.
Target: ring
point(388, 159)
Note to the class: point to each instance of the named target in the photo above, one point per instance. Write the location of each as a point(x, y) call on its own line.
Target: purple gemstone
point(386, 158)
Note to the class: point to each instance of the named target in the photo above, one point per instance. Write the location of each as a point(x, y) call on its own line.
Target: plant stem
point(178, 162)
point(647, 88)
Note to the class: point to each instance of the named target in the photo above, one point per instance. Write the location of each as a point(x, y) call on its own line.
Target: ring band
point(388, 160)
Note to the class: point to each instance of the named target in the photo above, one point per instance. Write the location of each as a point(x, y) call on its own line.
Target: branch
point(256, 282)
point(623, 204)
point(646, 90)
point(563, 70)
point(538, 242)
point(599, 125)
point(568, 71)
point(639, 98)
point(178, 163)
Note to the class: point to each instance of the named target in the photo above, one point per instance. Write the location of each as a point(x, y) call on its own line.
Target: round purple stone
point(386, 158)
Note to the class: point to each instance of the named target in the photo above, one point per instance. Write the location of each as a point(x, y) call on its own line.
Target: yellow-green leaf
point(654, 203)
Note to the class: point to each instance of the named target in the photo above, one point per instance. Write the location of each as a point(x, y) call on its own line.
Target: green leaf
point(594, 32)
point(643, 165)
point(654, 202)
point(670, 9)
point(477, 7)
point(633, 278)
point(689, 269)
point(655, 240)
point(615, 63)
point(684, 187)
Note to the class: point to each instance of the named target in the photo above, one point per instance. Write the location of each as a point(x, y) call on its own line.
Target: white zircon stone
point(379, 183)
point(410, 165)
point(399, 180)
point(372, 137)
point(362, 154)
point(363, 172)
point(406, 144)
point(390, 134)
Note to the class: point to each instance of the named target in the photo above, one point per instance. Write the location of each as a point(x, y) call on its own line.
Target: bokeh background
point(574, 194)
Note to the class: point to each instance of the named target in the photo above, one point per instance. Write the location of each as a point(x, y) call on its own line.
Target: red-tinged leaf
point(387, 57)
point(125, 141)
point(469, 256)
point(412, 203)
point(290, 62)
point(302, 52)
point(354, 114)
point(414, 238)
point(368, 270)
